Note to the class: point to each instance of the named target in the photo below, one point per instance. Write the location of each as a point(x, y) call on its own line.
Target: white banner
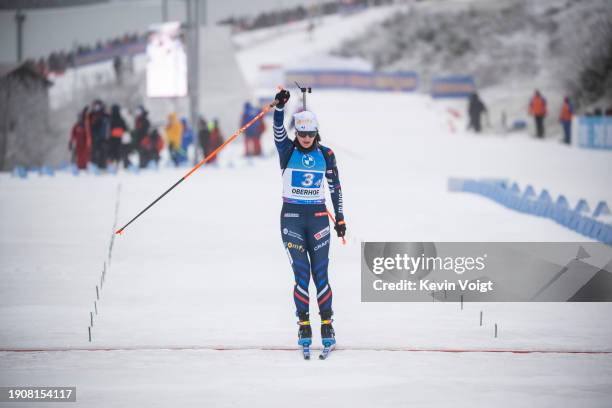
point(166, 61)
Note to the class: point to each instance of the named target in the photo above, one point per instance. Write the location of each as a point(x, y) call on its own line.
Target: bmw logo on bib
point(308, 161)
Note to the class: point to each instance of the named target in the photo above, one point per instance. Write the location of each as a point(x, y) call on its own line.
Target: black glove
point(282, 97)
point(340, 228)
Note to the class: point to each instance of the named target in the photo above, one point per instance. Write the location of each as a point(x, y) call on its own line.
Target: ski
point(327, 349)
point(306, 351)
point(305, 343)
point(328, 337)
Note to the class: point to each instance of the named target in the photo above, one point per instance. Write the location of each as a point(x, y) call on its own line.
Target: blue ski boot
point(305, 335)
point(328, 338)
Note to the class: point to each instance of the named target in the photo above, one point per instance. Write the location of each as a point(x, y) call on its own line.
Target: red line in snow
point(291, 348)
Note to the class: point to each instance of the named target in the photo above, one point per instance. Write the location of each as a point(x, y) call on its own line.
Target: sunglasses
point(310, 135)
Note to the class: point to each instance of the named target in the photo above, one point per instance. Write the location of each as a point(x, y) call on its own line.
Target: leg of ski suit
point(306, 236)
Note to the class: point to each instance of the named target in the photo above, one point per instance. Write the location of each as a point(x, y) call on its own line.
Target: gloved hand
point(282, 97)
point(340, 228)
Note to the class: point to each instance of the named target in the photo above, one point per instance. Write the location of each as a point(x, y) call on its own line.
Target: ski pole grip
point(329, 214)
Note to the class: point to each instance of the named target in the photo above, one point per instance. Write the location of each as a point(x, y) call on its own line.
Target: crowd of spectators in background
point(101, 137)
point(59, 61)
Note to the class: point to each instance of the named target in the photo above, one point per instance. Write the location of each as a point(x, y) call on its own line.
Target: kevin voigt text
point(428, 285)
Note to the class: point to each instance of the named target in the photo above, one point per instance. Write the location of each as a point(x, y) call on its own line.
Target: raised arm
point(281, 139)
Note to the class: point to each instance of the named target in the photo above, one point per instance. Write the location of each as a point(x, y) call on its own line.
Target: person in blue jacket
point(305, 229)
point(186, 140)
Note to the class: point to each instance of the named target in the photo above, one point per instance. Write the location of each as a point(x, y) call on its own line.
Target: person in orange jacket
point(565, 117)
point(537, 109)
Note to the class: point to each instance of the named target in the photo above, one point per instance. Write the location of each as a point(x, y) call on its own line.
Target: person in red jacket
point(261, 128)
point(565, 117)
point(537, 109)
point(215, 139)
point(150, 146)
point(80, 140)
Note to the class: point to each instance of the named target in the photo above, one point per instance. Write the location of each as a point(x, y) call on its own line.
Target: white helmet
point(306, 121)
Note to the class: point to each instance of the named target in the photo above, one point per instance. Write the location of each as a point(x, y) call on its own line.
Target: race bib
point(303, 178)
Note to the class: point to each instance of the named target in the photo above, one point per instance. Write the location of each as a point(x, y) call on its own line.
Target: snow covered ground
point(205, 269)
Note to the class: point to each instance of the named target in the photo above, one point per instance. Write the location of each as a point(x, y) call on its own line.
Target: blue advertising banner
point(595, 132)
point(374, 81)
point(453, 86)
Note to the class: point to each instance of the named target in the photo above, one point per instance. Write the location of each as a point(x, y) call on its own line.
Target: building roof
point(23, 67)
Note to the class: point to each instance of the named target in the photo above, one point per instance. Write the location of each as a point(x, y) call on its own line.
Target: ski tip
point(119, 231)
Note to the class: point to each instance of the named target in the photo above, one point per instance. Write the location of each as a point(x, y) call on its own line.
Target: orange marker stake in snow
point(329, 214)
point(206, 159)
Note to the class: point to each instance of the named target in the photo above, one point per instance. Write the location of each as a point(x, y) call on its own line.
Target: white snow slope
point(205, 268)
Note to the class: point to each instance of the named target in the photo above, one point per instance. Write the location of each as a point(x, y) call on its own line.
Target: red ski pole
point(207, 158)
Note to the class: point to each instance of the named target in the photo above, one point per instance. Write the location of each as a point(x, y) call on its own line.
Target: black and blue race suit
point(305, 228)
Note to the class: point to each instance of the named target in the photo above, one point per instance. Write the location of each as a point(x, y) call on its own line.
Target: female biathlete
point(305, 163)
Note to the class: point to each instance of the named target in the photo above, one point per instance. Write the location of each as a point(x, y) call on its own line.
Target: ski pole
point(334, 221)
point(207, 158)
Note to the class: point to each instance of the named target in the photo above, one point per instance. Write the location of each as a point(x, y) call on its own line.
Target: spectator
point(204, 136)
point(118, 68)
point(99, 124)
point(186, 139)
point(216, 138)
point(261, 128)
point(150, 146)
point(537, 108)
point(80, 140)
point(118, 128)
point(174, 132)
point(565, 117)
point(141, 130)
point(250, 134)
point(475, 109)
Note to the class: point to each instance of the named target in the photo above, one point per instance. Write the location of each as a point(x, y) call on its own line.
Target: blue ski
point(305, 343)
point(306, 351)
point(327, 349)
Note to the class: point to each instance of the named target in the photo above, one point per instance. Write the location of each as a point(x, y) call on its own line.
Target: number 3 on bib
point(307, 180)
